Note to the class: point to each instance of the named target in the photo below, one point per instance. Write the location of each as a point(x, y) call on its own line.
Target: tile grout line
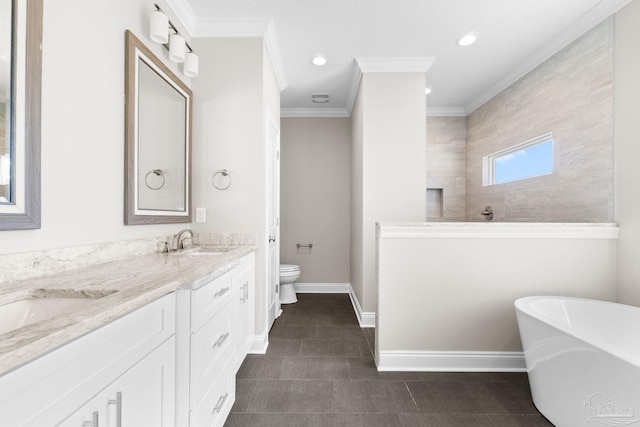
point(412, 398)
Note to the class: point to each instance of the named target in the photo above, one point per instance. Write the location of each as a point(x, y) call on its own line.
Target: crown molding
point(394, 65)
point(383, 65)
point(233, 27)
point(446, 112)
point(247, 27)
point(586, 22)
point(184, 14)
point(314, 112)
point(356, 76)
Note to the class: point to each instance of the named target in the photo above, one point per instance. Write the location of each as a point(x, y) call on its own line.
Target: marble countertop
point(121, 286)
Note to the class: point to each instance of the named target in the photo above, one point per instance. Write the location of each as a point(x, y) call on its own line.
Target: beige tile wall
point(571, 95)
point(446, 158)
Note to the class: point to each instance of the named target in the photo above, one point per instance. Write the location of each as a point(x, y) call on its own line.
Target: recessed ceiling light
point(319, 60)
point(427, 90)
point(468, 39)
point(320, 98)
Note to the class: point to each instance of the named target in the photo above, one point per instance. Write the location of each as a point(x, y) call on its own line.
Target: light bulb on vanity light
point(177, 48)
point(190, 67)
point(159, 27)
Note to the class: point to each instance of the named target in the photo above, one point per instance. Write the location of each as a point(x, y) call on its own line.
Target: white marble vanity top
point(137, 281)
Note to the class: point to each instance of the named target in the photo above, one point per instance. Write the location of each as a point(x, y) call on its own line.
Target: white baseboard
point(452, 361)
point(259, 343)
point(322, 288)
point(367, 319)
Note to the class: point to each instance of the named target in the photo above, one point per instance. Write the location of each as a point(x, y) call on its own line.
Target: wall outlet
point(201, 214)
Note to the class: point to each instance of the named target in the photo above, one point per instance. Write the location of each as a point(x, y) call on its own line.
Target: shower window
point(525, 160)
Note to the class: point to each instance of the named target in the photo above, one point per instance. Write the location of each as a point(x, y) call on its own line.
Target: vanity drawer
point(211, 347)
point(247, 263)
point(210, 298)
point(217, 403)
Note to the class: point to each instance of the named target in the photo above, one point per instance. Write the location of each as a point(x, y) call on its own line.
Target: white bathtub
point(583, 359)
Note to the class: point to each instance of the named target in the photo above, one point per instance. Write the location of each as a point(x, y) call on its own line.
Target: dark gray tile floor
point(319, 371)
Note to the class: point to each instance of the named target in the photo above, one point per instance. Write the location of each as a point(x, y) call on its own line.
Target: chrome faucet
point(487, 213)
point(180, 241)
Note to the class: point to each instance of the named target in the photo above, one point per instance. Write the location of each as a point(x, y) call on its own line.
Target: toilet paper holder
point(308, 245)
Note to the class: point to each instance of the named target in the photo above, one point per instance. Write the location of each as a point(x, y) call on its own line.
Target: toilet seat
point(289, 268)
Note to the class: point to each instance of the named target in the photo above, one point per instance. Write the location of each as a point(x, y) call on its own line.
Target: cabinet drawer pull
point(95, 418)
point(221, 340)
point(222, 292)
point(118, 402)
point(220, 403)
point(246, 290)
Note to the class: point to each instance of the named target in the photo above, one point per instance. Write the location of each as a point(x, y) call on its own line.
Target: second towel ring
point(225, 174)
point(157, 172)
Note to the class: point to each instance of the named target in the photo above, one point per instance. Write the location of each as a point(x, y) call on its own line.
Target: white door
point(273, 215)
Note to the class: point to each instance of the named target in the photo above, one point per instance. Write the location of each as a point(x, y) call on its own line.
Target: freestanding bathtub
point(583, 359)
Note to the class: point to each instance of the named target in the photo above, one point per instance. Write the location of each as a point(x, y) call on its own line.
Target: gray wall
point(571, 95)
point(314, 199)
point(446, 168)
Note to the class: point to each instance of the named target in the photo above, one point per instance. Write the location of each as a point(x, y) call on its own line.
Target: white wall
point(232, 95)
point(83, 125)
point(315, 189)
point(627, 152)
point(451, 287)
point(389, 152)
point(356, 207)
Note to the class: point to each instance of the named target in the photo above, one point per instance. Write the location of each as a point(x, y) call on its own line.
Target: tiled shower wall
point(446, 140)
point(571, 95)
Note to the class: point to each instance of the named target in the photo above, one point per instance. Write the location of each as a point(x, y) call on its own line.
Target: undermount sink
point(31, 309)
point(205, 253)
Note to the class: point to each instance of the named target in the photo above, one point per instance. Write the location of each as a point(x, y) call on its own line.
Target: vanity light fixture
point(159, 27)
point(190, 67)
point(319, 59)
point(427, 90)
point(468, 39)
point(164, 32)
point(177, 48)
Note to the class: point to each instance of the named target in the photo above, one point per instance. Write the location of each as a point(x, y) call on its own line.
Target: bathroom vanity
point(163, 355)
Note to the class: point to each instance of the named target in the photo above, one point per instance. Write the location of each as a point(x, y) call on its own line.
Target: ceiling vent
point(320, 98)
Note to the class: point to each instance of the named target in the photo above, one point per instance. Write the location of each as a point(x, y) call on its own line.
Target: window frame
point(489, 161)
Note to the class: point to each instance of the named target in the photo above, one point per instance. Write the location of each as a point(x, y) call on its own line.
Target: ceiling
point(514, 37)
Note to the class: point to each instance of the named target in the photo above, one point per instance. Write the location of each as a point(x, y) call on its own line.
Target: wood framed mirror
point(20, 105)
point(157, 140)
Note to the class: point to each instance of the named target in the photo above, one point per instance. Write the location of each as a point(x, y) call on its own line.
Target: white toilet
point(289, 273)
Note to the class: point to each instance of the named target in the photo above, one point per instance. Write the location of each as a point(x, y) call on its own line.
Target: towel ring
point(157, 172)
point(225, 174)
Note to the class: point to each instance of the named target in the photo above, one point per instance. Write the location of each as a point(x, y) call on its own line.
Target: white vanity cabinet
point(120, 375)
point(138, 398)
point(244, 278)
point(214, 329)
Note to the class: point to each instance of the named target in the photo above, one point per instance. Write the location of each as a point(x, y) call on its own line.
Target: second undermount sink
point(205, 253)
point(208, 251)
point(31, 309)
